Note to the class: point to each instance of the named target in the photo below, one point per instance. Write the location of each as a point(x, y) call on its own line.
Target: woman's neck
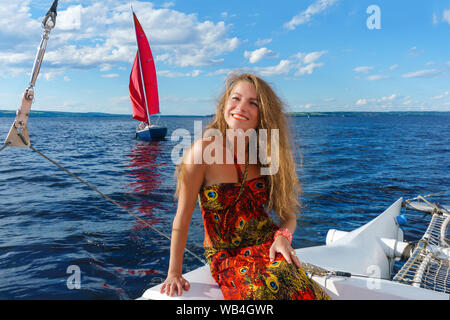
point(236, 149)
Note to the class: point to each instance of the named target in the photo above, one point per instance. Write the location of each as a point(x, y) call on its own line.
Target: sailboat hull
point(152, 133)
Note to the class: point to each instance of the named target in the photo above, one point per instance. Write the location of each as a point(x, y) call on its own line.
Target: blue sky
point(319, 55)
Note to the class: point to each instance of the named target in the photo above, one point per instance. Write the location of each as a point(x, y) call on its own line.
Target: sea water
point(61, 240)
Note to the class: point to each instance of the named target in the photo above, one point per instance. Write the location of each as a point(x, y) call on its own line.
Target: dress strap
point(241, 178)
point(238, 171)
point(241, 189)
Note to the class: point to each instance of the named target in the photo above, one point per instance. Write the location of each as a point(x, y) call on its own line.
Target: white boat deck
point(367, 253)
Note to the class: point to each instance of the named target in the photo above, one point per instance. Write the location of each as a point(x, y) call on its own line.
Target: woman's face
point(241, 110)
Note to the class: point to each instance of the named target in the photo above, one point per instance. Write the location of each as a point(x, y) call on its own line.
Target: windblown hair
point(284, 186)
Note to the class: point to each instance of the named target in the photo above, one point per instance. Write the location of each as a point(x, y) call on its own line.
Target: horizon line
point(209, 115)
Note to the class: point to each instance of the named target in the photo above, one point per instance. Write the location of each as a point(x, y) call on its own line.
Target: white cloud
point(302, 63)
point(50, 75)
point(303, 106)
point(308, 69)
point(69, 19)
point(386, 101)
point(435, 19)
point(363, 69)
point(313, 56)
point(15, 20)
point(376, 77)
point(446, 16)
point(305, 16)
point(224, 71)
point(407, 102)
point(393, 67)
point(390, 98)
point(15, 57)
point(258, 54)
point(413, 51)
point(168, 4)
point(226, 15)
point(105, 67)
point(305, 62)
point(283, 68)
point(110, 75)
point(100, 34)
point(195, 73)
point(173, 74)
point(441, 95)
point(422, 73)
point(361, 102)
point(262, 42)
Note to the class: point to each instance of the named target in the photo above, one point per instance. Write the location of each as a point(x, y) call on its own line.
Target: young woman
point(249, 255)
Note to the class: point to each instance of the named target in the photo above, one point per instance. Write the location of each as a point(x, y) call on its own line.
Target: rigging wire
point(109, 199)
point(310, 269)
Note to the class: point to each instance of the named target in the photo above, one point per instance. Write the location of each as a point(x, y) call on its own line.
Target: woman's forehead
point(244, 87)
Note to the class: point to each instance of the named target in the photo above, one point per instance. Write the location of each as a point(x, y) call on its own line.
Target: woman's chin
point(238, 124)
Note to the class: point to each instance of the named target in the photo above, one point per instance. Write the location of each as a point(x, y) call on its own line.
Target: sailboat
point(143, 89)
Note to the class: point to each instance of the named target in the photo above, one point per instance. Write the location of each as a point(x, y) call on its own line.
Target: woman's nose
point(243, 104)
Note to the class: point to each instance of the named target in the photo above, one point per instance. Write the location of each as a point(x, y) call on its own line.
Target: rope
point(309, 268)
point(4, 147)
point(419, 197)
point(111, 200)
point(436, 194)
point(436, 208)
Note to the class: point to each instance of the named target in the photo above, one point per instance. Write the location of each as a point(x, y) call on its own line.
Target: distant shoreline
point(54, 114)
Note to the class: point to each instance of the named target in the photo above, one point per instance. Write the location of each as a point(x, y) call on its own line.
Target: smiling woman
point(249, 255)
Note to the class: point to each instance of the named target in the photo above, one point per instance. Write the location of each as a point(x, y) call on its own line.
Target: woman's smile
point(239, 117)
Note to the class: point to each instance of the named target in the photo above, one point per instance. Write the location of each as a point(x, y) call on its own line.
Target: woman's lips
point(239, 117)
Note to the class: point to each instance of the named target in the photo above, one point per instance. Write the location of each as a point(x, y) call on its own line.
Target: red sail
point(147, 94)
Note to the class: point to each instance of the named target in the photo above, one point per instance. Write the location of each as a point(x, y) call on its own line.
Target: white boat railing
point(428, 267)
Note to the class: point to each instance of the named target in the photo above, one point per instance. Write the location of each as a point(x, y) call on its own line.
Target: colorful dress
point(238, 236)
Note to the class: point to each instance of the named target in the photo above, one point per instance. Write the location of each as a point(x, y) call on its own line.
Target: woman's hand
point(281, 245)
point(175, 283)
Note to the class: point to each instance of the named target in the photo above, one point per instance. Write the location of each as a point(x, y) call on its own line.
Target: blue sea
point(351, 169)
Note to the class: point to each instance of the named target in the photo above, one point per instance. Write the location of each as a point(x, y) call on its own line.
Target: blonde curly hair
point(284, 186)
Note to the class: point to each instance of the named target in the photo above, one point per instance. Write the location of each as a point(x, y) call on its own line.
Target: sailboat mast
point(142, 74)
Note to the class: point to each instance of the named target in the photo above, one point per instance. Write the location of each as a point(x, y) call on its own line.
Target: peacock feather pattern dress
point(238, 236)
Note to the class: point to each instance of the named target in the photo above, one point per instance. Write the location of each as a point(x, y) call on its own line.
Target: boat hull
point(152, 133)
point(203, 287)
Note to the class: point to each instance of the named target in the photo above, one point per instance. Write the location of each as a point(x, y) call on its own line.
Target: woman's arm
point(282, 245)
point(191, 180)
point(290, 223)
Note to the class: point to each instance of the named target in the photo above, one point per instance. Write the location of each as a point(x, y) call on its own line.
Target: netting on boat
point(428, 265)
